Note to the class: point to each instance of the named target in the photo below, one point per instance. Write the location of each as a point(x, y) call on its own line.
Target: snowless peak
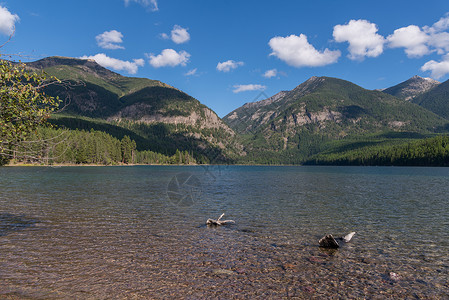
point(412, 87)
point(431, 80)
point(416, 77)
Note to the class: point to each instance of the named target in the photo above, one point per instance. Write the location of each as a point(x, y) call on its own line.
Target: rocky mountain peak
point(417, 78)
point(412, 87)
point(267, 101)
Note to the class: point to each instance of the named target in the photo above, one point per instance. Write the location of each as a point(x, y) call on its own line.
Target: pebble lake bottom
point(139, 232)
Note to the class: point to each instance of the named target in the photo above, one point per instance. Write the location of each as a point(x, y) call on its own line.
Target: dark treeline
point(425, 152)
point(166, 139)
point(49, 146)
point(56, 146)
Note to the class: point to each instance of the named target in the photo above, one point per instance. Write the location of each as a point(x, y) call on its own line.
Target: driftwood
point(348, 237)
point(328, 241)
point(212, 222)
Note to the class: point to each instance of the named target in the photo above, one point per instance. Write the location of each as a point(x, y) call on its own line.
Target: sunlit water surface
point(138, 232)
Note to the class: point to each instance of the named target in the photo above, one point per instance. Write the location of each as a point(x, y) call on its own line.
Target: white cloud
point(362, 38)
point(179, 35)
point(7, 21)
point(297, 52)
point(191, 72)
point(438, 69)
point(152, 4)
point(422, 41)
point(438, 38)
point(164, 36)
point(248, 87)
point(229, 65)
point(116, 64)
point(412, 38)
point(440, 41)
point(442, 24)
point(270, 73)
point(169, 57)
point(110, 40)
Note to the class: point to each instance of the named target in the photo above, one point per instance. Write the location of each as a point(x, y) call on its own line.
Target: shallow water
point(138, 232)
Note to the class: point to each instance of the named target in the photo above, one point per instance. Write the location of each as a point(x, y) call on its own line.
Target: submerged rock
point(222, 272)
point(394, 276)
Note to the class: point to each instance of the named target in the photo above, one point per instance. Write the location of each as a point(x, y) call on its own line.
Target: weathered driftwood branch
point(218, 222)
point(328, 241)
point(348, 237)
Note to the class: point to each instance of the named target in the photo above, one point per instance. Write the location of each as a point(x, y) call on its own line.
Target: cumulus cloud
point(110, 40)
point(437, 69)
point(169, 57)
point(179, 35)
point(439, 41)
point(191, 72)
point(362, 37)
point(229, 65)
point(248, 87)
point(438, 38)
point(270, 73)
point(412, 38)
point(152, 4)
point(297, 52)
point(116, 64)
point(7, 21)
point(422, 41)
point(442, 24)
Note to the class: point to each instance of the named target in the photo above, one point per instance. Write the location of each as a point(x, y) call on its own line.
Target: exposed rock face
point(252, 115)
point(143, 112)
point(411, 88)
point(303, 117)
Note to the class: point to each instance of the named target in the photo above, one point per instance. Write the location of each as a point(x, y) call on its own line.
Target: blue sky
point(227, 52)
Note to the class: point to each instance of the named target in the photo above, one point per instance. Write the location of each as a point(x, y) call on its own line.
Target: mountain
point(246, 118)
point(300, 122)
point(436, 100)
point(163, 116)
point(321, 116)
point(249, 117)
point(412, 87)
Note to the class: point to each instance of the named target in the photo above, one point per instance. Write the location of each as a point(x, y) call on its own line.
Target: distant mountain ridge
point(436, 100)
point(248, 117)
point(327, 92)
point(412, 87)
point(95, 92)
point(323, 109)
point(288, 127)
point(99, 92)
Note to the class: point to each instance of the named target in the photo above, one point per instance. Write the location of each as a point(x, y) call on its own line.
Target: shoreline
point(187, 165)
point(90, 165)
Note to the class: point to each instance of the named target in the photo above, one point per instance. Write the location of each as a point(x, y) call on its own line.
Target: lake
point(139, 232)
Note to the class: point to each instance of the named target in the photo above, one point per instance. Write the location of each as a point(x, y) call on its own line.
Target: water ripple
point(106, 233)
